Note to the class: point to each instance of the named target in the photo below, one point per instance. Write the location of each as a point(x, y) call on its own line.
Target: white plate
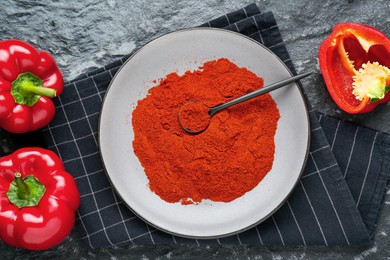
point(180, 51)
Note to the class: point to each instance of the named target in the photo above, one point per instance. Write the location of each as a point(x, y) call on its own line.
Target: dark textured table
point(85, 35)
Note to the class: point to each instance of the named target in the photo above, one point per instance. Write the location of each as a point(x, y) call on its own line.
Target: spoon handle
point(258, 92)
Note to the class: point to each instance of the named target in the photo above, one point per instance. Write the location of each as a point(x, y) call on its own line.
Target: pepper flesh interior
point(370, 81)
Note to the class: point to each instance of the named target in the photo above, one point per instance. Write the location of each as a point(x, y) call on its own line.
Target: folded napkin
point(336, 202)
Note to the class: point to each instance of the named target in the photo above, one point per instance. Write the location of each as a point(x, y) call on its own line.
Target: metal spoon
point(206, 113)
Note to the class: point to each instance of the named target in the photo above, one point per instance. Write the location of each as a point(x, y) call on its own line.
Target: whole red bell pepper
point(38, 199)
point(28, 79)
point(355, 61)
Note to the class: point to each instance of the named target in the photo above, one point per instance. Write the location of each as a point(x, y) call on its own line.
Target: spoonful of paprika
point(194, 116)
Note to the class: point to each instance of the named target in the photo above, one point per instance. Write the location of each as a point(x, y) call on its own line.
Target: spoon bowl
point(194, 117)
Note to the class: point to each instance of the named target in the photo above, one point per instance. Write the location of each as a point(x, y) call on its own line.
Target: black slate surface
point(84, 35)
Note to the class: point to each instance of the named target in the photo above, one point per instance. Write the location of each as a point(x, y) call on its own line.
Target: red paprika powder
point(222, 163)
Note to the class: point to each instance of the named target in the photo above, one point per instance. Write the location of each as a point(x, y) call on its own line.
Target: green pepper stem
point(29, 87)
point(23, 190)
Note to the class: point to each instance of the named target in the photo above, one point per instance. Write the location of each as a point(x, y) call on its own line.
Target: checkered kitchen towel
point(336, 202)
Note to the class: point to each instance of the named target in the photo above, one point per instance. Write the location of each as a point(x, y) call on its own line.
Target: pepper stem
point(23, 190)
point(27, 89)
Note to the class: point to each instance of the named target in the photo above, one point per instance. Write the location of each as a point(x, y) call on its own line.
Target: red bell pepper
point(38, 199)
point(355, 61)
point(28, 79)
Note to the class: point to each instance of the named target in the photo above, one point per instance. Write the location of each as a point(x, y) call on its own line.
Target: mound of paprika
point(223, 162)
point(355, 62)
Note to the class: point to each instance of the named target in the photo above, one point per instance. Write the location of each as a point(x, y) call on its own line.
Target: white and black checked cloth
point(336, 202)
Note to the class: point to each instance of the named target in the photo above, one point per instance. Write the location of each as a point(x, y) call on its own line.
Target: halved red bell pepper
point(355, 61)
point(38, 199)
point(28, 79)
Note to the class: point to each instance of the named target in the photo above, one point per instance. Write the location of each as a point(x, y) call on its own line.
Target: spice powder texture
point(220, 164)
